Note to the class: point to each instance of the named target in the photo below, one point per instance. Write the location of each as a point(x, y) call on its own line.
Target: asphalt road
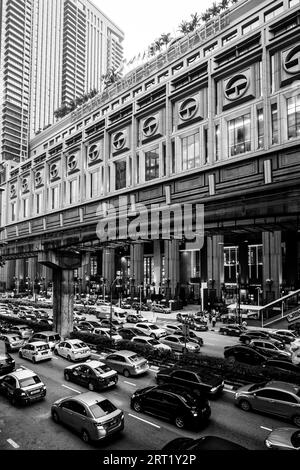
point(31, 427)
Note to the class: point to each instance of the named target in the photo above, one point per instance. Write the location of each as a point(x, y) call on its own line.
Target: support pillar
point(172, 271)
point(215, 263)
point(157, 264)
point(108, 265)
point(8, 274)
point(85, 272)
point(272, 265)
point(137, 263)
point(20, 274)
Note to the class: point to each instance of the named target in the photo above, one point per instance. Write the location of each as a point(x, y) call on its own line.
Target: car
point(281, 399)
point(245, 338)
point(183, 317)
point(286, 335)
point(127, 363)
point(179, 344)
point(171, 328)
point(198, 324)
point(45, 321)
point(115, 324)
point(50, 337)
point(267, 346)
point(90, 325)
point(72, 349)
point(105, 333)
point(37, 351)
point(245, 354)
point(174, 404)
point(22, 330)
point(23, 386)
point(12, 342)
point(150, 329)
point(196, 380)
point(93, 374)
point(187, 444)
point(129, 333)
point(191, 338)
point(151, 342)
point(160, 309)
point(81, 329)
point(92, 415)
point(283, 439)
point(135, 318)
point(7, 363)
point(231, 330)
point(294, 345)
point(285, 366)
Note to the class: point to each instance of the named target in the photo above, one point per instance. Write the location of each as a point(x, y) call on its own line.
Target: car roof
point(143, 337)
point(47, 333)
point(22, 373)
point(38, 343)
point(92, 363)
point(284, 386)
point(89, 398)
point(72, 341)
point(9, 335)
point(20, 326)
point(124, 353)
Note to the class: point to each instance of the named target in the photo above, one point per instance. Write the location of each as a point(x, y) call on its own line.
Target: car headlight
point(268, 443)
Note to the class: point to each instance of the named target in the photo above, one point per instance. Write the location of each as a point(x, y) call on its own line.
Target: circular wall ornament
point(72, 162)
point(24, 184)
point(236, 87)
point(188, 109)
point(119, 140)
point(292, 61)
point(93, 153)
point(53, 170)
point(38, 178)
point(150, 126)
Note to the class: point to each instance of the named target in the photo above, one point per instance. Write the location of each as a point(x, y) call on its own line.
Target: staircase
point(283, 312)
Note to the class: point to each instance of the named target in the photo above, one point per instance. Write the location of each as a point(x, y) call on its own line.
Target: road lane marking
point(70, 388)
point(13, 443)
point(141, 419)
point(129, 383)
point(267, 429)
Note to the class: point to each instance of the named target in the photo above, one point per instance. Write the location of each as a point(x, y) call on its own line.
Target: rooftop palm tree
point(224, 4)
point(165, 39)
point(195, 21)
point(214, 9)
point(184, 27)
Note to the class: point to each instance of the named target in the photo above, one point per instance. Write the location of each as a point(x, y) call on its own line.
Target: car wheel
point(126, 373)
point(153, 336)
point(296, 420)
point(245, 405)
point(34, 360)
point(247, 341)
point(56, 352)
point(137, 406)
point(13, 401)
point(179, 422)
point(55, 417)
point(67, 377)
point(20, 354)
point(69, 357)
point(85, 436)
point(231, 360)
point(91, 387)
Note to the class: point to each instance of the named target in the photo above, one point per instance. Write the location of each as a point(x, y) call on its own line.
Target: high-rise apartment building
point(51, 52)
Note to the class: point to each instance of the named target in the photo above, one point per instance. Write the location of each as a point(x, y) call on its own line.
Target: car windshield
point(79, 345)
point(102, 408)
point(135, 358)
point(102, 369)
point(54, 338)
point(23, 327)
point(153, 342)
point(188, 399)
point(43, 347)
point(257, 386)
point(153, 327)
point(30, 381)
point(14, 338)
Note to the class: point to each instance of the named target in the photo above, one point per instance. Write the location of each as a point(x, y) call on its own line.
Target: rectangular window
point(218, 139)
point(25, 207)
point(293, 3)
point(293, 117)
point(120, 169)
point(152, 165)
point(94, 183)
point(164, 162)
point(173, 157)
point(239, 135)
point(190, 152)
point(260, 128)
point(250, 26)
point(54, 203)
point(205, 146)
point(210, 48)
point(231, 263)
point(73, 196)
point(13, 211)
point(229, 38)
point(274, 121)
point(274, 12)
point(39, 203)
point(137, 168)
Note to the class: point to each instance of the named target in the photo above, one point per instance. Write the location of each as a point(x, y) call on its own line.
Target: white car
point(178, 343)
point(72, 349)
point(294, 345)
point(135, 318)
point(150, 329)
point(171, 328)
point(148, 341)
point(38, 351)
point(105, 333)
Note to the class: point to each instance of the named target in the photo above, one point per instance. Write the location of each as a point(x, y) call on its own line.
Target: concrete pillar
point(85, 271)
point(243, 263)
point(63, 301)
point(290, 267)
point(8, 274)
point(137, 262)
point(272, 265)
point(20, 275)
point(172, 270)
point(108, 265)
point(157, 264)
point(215, 262)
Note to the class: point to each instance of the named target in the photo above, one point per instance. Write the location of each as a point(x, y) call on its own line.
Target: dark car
point(179, 406)
point(94, 375)
point(129, 333)
point(245, 338)
point(197, 324)
point(193, 378)
point(203, 443)
point(231, 330)
point(245, 354)
point(22, 386)
point(286, 336)
point(7, 363)
point(192, 337)
point(285, 366)
point(116, 324)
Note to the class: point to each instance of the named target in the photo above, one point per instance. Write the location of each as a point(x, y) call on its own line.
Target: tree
point(224, 4)
point(165, 39)
point(215, 9)
point(111, 77)
point(184, 27)
point(205, 17)
point(195, 21)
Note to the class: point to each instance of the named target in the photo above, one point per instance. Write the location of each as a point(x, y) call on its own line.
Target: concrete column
point(8, 273)
point(172, 265)
point(63, 301)
point(243, 263)
point(272, 265)
point(215, 261)
point(137, 262)
point(20, 274)
point(157, 264)
point(108, 264)
point(85, 271)
point(291, 260)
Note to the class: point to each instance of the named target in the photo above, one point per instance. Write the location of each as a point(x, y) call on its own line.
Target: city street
point(32, 427)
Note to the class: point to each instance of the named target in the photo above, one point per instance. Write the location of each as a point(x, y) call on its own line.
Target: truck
point(103, 312)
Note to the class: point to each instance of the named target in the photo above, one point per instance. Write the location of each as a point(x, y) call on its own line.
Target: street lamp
point(238, 297)
point(111, 307)
point(140, 289)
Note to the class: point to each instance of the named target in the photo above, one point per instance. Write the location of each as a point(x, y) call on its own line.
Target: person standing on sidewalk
point(213, 321)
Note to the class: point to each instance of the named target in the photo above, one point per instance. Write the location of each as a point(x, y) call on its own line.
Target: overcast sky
point(142, 22)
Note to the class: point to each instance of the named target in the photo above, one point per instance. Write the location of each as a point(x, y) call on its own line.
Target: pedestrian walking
point(213, 321)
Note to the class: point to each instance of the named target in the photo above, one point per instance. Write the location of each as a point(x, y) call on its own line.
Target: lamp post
point(111, 307)
point(140, 290)
point(238, 297)
point(103, 282)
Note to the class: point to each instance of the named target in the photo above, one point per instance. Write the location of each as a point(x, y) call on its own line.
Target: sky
point(142, 22)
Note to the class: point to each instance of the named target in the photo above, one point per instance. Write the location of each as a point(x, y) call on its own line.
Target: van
point(49, 337)
point(7, 363)
point(103, 312)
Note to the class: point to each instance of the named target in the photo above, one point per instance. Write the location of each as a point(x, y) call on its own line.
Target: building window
point(231, 263)
point(173, 157)
point(210, 48)
point(218, 138)
point(39, 202)
point(73, 197)
point(292, 3)
point(94, 186)
point(120, 169)
point(205, 160)
point(274, 12)
point(152, 164)
point(239, 135)
point(293, 115)
point(190, 152)
point(255, 262)
point(229, 38)
point(25, 207)
point(148, 270)
point(274, 121)
point(54, 202)
point(94, 266)
point(13, 211)
point(260, 128)
point(250, 26)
